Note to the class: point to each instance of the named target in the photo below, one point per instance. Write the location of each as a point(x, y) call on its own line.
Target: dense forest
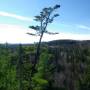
point(63, 65)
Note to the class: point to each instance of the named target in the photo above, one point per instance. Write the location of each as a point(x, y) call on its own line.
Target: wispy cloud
point(83, 27)
point(6, 14)
point(64, 35)
point(17, 34)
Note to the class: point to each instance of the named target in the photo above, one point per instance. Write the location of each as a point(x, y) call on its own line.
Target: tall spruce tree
point(45, 17)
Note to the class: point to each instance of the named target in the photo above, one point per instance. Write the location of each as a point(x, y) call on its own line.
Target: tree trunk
point(33, 70)
point(37, 55)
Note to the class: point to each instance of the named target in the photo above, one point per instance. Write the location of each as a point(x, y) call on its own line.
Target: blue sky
point(74, 19)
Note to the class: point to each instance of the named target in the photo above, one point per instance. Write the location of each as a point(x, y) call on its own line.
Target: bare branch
point(31, 34)
point(51, 33)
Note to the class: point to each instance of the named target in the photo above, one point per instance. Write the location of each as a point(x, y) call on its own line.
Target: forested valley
point(62, 65)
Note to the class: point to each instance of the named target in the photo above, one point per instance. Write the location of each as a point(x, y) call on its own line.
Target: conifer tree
point(45, 17)
point(20, 67)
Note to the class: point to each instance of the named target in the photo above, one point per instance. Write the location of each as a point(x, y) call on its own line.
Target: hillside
point(55, 43)
point(68, 42)
point(63, 65)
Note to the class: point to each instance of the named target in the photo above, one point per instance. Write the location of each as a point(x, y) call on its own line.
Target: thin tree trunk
point(38, 50)
point(37, 55)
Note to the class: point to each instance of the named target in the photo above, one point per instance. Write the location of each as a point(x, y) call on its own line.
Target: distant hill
point(66, 42)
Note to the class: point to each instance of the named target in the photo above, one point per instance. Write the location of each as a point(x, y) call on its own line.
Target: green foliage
point(59, 68)
point(39, 80)
point(45, 17)
point(85, 83)
point(8, 79)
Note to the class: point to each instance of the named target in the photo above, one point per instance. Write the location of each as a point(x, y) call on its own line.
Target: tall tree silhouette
point(45, 17)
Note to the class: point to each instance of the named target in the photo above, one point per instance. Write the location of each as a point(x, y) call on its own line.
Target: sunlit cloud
point(64, 35)
point(6, 14)
point(17, 34)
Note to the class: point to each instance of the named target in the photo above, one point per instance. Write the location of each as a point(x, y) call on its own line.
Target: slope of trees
point(59, 67)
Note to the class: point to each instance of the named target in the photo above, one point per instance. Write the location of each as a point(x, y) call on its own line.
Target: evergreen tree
point(42, 77)
point(20, 67)
point(46, 16)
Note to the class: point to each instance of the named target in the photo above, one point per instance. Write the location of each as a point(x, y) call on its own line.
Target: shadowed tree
point(20, 67)
point(45, 17)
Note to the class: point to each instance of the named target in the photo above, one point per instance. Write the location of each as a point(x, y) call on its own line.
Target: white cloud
point(17, 34)
point(6, 14)
point(67, 36)
point(83, 27)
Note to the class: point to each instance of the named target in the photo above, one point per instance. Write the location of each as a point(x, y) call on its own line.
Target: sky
point(17, 15)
